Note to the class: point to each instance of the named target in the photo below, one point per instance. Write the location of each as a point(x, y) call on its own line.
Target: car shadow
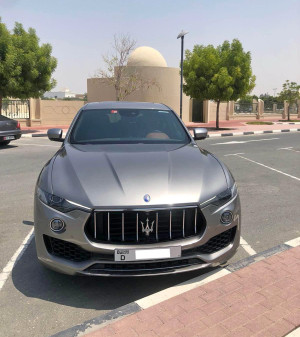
point(99, 293)
point(9, 146)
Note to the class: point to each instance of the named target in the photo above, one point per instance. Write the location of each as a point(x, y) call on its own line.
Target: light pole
point(181, 35)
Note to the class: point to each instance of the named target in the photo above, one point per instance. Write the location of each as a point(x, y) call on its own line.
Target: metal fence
point(15, 108)
point(293, 108)
point(248, 108)
point(273, 107)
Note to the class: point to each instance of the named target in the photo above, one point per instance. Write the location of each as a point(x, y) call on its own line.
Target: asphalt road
point(37, 302)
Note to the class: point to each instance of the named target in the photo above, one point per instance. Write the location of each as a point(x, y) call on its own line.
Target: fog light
point(57, 225)
point(226, 217)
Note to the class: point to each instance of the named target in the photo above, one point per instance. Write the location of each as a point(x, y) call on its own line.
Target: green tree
point(25, 66)
point(290, 93)
point(221, 74)
point(246, 99)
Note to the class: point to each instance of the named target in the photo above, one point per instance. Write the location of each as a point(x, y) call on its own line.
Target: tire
point(6, 142)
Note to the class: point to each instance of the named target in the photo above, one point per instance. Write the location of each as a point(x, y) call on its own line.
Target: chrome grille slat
point(156, 226)
point(123, 230)
point(137, 227)
point(145, 226)
point(170, 225)
point(108, 227)
point(183, 219)
point(95, 226)
point(195, 220)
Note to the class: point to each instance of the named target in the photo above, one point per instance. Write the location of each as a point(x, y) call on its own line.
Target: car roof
point(125, 105)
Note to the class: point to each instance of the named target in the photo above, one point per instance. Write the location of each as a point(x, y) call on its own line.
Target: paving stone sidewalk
point(260, 300)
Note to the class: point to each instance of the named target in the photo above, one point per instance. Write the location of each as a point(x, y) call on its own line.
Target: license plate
point(147, 254)
point(9, 137)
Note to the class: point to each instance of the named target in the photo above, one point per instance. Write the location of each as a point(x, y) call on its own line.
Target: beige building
point(152, 67)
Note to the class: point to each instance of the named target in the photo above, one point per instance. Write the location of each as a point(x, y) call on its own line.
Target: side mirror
point(200, 133)
point(55, 135)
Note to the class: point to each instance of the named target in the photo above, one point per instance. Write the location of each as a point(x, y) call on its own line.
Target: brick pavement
point(260, 300)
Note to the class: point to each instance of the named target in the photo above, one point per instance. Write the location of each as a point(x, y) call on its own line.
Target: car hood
point(121, 174)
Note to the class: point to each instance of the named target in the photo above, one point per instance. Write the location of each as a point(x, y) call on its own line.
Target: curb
point(100, 321)
point(288, 123)
point(210, 135)
point(246, 133)
point(30, 135)
point(134, 307)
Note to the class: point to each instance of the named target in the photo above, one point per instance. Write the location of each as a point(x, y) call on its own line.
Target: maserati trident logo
point(148, 228)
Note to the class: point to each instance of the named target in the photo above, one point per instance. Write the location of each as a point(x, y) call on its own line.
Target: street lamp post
point(181, 35)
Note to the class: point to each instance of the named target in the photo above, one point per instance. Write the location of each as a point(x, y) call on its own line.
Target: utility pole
point(181, 35)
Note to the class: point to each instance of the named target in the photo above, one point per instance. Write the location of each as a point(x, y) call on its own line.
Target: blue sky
point(82, 31)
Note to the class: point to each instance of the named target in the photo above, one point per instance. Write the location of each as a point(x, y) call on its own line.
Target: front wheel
point(6, 142)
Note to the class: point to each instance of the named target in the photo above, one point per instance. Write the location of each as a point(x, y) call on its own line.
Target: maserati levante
point(130, 193)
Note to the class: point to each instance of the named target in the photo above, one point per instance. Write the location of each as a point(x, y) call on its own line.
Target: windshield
point(128, 126)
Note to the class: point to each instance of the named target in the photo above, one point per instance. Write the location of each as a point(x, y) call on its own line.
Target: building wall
point(99, 89)
point(213, 111)
point(59, 112)
point(59, 94)
point(166, 89)
point(48, 112)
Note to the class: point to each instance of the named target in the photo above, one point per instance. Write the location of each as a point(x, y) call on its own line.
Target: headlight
point(58, 203)
point(224, 197)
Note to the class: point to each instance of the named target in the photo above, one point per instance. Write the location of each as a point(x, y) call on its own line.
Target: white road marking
point(17, 255)
point(181, 288)
point(247, 247)
point(244, 141)
point(36, 145)
point(233, 154)
point(288, 149)
point(294, 242)
point(268, 167)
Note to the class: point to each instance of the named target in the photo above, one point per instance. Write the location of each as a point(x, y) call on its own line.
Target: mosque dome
point(146, 57)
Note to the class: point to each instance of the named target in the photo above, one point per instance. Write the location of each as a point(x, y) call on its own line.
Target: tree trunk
point(1, 98)
point(288, 111)
point(217, 114)
point(117, 89)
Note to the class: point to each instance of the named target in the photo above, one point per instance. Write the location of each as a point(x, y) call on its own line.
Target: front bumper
point(98, 258)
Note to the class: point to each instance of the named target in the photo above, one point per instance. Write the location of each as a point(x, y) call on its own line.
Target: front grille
point(66, 250)
point(160, 266)
point(218, 242)
point(145, 226)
